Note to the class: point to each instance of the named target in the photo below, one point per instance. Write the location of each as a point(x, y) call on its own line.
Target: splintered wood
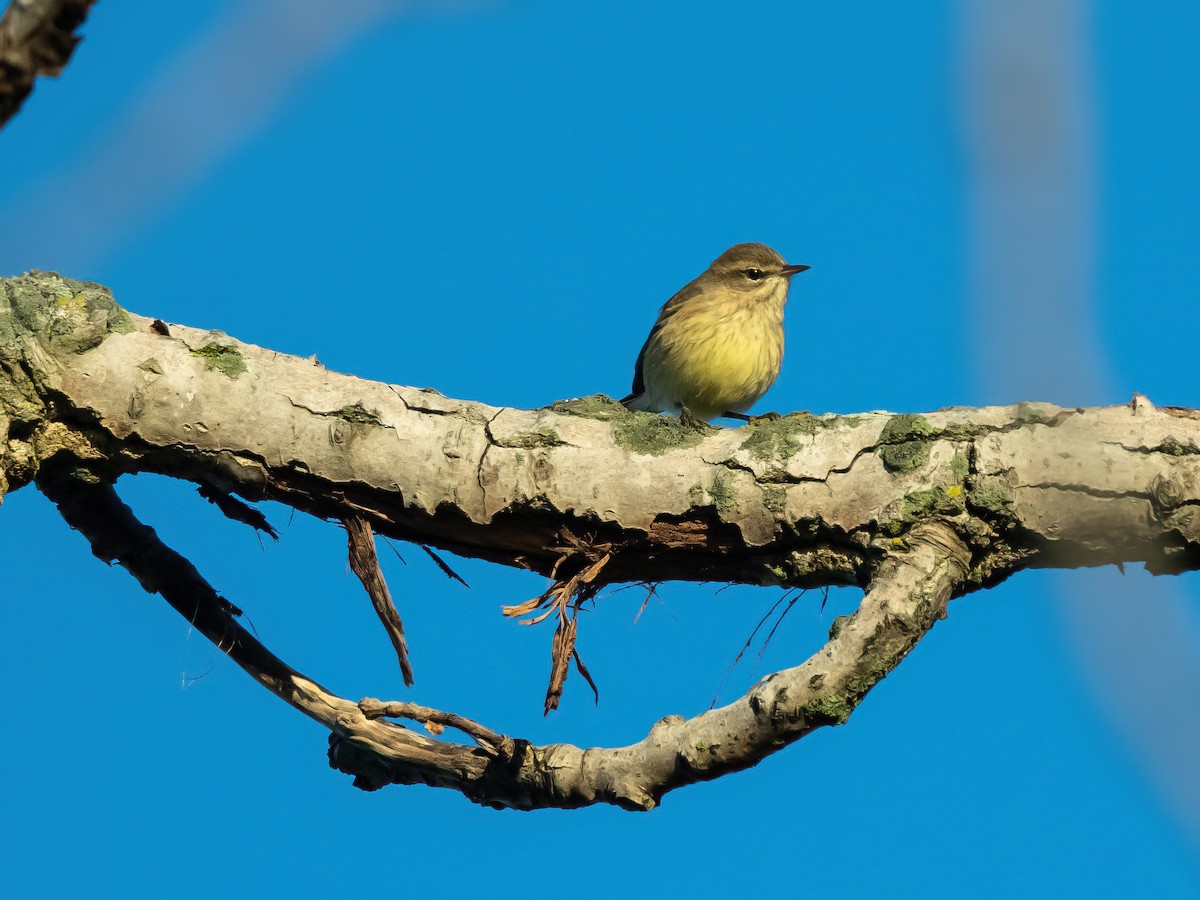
point(364, 562)
point(564, 598)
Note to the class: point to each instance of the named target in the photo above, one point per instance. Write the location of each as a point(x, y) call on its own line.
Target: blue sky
point(494, 199)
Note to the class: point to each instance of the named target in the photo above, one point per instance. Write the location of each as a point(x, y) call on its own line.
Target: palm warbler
point(718, 343)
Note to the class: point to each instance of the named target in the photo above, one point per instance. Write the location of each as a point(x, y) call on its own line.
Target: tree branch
point(908, 594)
point(915, 508)
point(92, 508)
point(37, 37)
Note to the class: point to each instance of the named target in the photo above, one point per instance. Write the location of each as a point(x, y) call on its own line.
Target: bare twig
point(444, 566)
point(746, 646)
point(498, 744)
point(364, 562)
point(583, 670)
point(233, 508)
point(651, 590)
point(795, 596)
point(907, 596)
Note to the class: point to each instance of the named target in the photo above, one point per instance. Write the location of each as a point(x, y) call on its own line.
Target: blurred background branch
point(37, 38)
point(1029, 103)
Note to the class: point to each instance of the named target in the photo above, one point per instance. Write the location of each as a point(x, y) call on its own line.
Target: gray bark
point(916, 509)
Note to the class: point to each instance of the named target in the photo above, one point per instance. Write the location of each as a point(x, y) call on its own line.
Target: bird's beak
point(789, 271)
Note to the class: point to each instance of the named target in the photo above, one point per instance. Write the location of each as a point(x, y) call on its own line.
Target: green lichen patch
point(224, 359)
point(356, 413)
point(905, 442)
point(880, 653)
point(938, 501)
point(990, 493)
point(775, 498)
point(722, 493)
point(1173, 447)
point(960, 467)
point(543, 436)
point(884, 649)
point(1036, 413)
point(778, 439)
point(594, 406)
point(778, 575)
point(73, 316)
point(959, 431)
point(907, 457)
point(650, 434)
point(23, 410)
point(71, 303)
point(120, 323)
point(830, 709)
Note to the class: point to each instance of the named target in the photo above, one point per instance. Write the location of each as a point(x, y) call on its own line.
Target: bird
point(718, 343)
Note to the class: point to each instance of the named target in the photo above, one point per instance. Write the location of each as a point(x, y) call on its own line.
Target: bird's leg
point(687, 419)
point(761, 417)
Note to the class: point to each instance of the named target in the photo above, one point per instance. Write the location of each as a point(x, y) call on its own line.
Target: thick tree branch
point(37, 37)
point(915, 508)
point(803, 501)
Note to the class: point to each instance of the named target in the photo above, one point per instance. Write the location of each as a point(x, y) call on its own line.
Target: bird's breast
point(715, 360)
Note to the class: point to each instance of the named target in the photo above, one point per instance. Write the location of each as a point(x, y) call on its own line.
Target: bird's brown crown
point(741, 257)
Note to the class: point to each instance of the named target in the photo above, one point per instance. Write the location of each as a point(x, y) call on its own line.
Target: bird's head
point(754, 271)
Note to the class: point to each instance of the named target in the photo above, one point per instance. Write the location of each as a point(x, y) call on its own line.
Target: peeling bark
point(916, 509)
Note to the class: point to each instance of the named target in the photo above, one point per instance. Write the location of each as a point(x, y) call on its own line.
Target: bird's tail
point(636, 401)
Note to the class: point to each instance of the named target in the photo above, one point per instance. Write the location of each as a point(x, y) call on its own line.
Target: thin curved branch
point(436, 720)
point(909, 592)
point(37, 37)
point(92, 508)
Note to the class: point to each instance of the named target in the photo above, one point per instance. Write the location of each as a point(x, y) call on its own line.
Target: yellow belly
point(714, 362)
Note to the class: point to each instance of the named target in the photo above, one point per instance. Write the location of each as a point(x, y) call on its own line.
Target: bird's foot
point(761, 417)
point(694, 422)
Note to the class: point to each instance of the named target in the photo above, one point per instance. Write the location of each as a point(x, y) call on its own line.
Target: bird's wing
point(639, 382)
point(669, 309)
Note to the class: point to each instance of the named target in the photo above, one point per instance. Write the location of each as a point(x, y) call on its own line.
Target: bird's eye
point(754, 274)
